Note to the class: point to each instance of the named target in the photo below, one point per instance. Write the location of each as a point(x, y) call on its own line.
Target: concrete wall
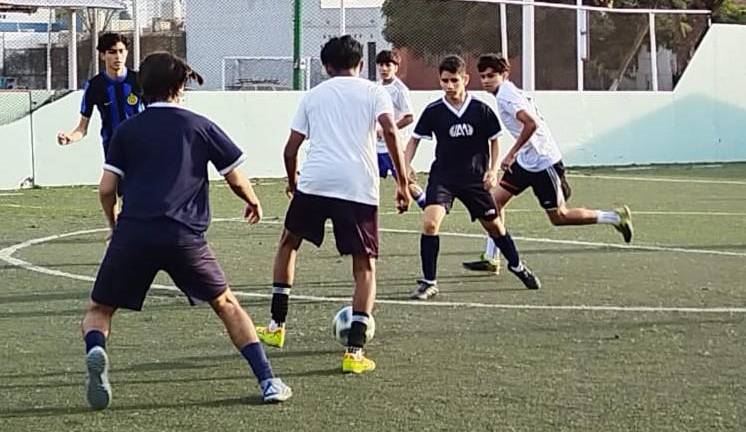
point(703, 120)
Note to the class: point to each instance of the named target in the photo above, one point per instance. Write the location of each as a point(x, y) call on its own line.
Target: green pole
point(297, 73)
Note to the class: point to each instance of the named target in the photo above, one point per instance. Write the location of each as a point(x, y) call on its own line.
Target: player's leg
point(481, 206)
point(552, 190)
point(304, 221)
point(432, 217)
point(196, 271)
point(356, 234)
point(241, 330)
point(512, 183)
point(123, 279)
point(415, 190)
point(95, 328)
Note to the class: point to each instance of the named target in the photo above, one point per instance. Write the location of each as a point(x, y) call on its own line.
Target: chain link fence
point(250, 44)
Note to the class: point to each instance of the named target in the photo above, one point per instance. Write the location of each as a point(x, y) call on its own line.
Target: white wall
point(702, 120)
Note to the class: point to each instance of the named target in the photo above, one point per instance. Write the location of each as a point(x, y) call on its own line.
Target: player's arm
point(241, 187)
point(411, 150)
point(406, 120)
point(490, 177)
point(290, 155)
point(529, 127)
point(107, 194)
point(80, 131)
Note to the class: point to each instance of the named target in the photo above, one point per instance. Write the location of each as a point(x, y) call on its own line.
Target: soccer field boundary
point(6, 254)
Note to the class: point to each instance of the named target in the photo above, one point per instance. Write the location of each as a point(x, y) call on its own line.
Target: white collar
point(165, 105)
point(464, 106)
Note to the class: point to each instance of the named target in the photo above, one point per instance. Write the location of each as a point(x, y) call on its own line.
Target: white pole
point(49, 50)
point(222, 75)
point(527, 53)
point(135, 36)
point(581, 36)
point(653, 53)
point(94, 39)
point(342, 18)
point(72, 53)
point(504, 30)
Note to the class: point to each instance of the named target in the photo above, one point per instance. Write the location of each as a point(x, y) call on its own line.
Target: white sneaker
point(98, 389)
point(424, 290)
point(274, 390)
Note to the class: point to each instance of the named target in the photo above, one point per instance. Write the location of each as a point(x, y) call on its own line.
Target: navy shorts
point(355, 224)
point(137, 252)
point(385, 165)
point(478, 201)
point(549, 186)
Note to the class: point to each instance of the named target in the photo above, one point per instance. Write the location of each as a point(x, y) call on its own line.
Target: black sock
point(93, 339)
point(280, 296)
point(508, 249)
point(356, 337)
point(429, 248)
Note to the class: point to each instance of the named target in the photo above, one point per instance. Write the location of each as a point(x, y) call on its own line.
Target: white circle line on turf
point(6, 254)
point(634, 212)
point(658, 179)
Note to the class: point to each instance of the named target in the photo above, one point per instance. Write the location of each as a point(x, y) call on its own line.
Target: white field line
point(6, 255)
point(634, 212)
point(659, 179)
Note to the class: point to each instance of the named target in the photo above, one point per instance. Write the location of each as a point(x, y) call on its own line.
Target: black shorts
point(550, 186)
point(355, 224)
point(132, 261)
point(478, 201)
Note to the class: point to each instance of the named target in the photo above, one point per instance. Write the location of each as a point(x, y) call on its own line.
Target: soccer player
point(387, 63)
point(534, 161)
point(115, 92)
point(465, 167)
point(163, 153)
point(339, 181)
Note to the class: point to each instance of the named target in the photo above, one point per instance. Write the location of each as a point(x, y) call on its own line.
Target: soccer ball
point(342, 323)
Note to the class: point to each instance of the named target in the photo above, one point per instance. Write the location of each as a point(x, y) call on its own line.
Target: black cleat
point(527, 277)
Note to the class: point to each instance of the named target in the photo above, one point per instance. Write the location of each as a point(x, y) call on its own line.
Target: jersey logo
point(132, 99)
point(461, 130)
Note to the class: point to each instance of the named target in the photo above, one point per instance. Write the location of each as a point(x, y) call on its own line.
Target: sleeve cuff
point(233, 166)
point(495, 135)
point(422, 137)
point(115, 170)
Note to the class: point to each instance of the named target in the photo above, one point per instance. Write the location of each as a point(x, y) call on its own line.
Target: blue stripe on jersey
point(129, 109)
point(83, 105)
point(106, 133)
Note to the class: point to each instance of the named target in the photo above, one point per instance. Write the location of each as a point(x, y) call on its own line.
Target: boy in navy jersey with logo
point(115, 92)
point(465, 167)
point(163, 155)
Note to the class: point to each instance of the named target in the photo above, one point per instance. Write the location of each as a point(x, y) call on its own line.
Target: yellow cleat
point(274, 337)
point(357, 363)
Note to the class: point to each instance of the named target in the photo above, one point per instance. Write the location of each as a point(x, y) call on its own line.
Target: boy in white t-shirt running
point(534, 161)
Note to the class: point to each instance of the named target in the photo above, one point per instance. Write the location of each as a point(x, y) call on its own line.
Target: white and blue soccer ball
point(342, 323)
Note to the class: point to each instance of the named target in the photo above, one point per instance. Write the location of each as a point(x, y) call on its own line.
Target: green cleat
point(271, 336)
point(625, 224)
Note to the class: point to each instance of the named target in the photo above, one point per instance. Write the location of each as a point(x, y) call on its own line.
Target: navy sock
point(254, 354)
point(356, 337)
point(280, 297)
point(508, 249)
point(93, 339)
point(429, 248)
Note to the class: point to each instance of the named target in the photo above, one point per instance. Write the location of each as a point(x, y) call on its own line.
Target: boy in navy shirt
point(163, 154)
point(115, 92)
point(465, 167)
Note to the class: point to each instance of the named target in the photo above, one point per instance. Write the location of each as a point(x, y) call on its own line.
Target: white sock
point(608, 217)
point(519, 268)
point(421, 200)
point(491, 251)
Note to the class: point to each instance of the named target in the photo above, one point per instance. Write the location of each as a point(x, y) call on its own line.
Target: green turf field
point(582, 354)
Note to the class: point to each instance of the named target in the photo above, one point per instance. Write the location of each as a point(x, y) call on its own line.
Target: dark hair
point(495, 61)
point(342, 53)
point(387, 56)
point(453, 64)
point(109, 39)
point(162, 76)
